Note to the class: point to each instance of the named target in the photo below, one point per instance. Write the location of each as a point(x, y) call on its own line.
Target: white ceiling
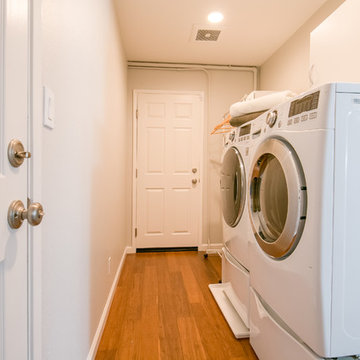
point(252, 30)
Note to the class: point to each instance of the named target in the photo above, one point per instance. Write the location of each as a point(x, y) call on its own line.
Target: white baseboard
point(210, 248)
point(131, 250)
point(100, 328)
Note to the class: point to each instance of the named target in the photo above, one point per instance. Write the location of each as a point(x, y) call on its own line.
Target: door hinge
point(137, 114)
point(136, 173)
point(135, 232)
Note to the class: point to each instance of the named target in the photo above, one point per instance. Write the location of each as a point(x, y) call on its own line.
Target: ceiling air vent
point(207, 35)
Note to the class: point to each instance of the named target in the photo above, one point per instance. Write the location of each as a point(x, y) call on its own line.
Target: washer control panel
point(230, 137)
point(244, 132)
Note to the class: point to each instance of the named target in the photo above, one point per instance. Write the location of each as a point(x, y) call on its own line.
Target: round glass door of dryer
point(278, 198)
point(232, 186)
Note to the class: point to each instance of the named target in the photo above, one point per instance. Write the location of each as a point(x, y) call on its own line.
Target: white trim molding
point(130, 250)
point(105, 313)
point(211, 248)
point(35, 308)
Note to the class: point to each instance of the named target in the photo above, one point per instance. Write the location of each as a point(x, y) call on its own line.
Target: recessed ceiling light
point(215, 17)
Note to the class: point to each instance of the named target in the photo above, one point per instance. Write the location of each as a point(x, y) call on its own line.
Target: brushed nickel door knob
point(35, 213)
point(17, 214)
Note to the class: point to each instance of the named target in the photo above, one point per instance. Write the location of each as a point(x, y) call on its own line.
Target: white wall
point(222, 88)
point(334, 54)
point(288, 67)
point(86, 173)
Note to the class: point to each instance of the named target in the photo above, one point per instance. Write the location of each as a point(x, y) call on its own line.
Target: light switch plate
point(49, 108)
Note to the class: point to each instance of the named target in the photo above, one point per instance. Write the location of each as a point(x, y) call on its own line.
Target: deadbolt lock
point(17, 153)
point(17, 214)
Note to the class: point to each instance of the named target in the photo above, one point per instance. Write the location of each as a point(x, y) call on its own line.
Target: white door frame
point(136, 94)
point(35, 180)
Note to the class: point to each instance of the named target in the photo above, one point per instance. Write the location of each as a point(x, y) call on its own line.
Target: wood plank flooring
point(163, 309)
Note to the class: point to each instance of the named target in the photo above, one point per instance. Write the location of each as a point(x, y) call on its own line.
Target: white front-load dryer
point(303, 206)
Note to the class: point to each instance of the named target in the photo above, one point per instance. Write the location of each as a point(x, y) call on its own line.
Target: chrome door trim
point(242, 189)
point(285, 244)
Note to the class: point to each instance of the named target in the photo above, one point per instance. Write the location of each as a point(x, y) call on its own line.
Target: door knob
point(17, 153)
point(194, 181)
point(17, 214)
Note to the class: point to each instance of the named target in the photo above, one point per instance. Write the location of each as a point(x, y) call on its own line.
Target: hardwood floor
point(163, 309)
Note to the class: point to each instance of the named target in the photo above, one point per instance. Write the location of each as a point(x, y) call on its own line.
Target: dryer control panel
point(294, 113)
point(306, 103)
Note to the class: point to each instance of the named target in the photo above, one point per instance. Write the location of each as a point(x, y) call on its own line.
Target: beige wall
point(85, 169)
point(341, 65)
point(222, 89)
point(288, 67)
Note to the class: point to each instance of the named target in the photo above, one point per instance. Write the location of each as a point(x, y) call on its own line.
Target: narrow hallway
point(163, 309)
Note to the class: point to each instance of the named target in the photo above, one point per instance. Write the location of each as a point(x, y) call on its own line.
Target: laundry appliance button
point(271, 118)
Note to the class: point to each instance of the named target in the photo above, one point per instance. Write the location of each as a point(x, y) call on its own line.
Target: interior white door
point(169, 148)
point(13, 181)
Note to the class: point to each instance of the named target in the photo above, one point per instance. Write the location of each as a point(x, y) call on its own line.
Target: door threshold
point(167, 249)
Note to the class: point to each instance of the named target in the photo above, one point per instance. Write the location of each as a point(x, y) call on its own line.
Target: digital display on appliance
point(307, 103)
point(244, 130)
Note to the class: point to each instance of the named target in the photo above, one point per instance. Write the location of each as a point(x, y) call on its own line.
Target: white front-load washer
point(303, 206)
point(233, 190)
point(232, 295)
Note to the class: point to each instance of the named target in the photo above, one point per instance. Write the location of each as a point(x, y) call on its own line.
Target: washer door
point(232, 186)
point(277, 198)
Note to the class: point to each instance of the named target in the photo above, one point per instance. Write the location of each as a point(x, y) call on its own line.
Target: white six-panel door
point(13, 181)
point(168, 183)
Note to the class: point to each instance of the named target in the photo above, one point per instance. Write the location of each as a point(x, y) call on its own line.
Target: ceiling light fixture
point(215, 17)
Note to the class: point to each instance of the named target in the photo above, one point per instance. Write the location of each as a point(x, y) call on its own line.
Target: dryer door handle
point(255, 186)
